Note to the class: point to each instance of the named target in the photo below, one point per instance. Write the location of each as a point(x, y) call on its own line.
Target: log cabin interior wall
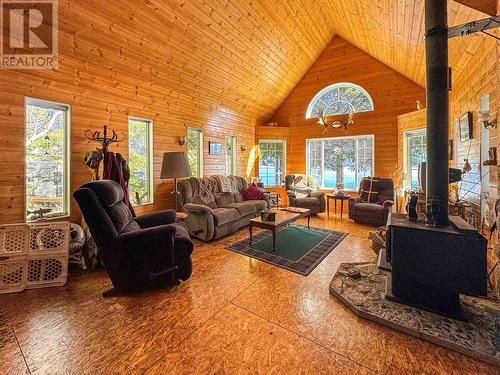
point(221, 68)
point(480, 79)
point(392, 95)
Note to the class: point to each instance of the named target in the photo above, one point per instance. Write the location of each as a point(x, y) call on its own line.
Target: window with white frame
point(272, 161)
point(195, 151)
point(338, 98)
point(140, 160)
point(340, 162)
point(230, 143)
point(47, 158)
point(414, 153)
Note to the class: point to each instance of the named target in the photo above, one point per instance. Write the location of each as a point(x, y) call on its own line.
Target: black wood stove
point(430, 266)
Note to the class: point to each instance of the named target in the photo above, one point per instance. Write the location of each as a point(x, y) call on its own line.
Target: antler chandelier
point(323, 121)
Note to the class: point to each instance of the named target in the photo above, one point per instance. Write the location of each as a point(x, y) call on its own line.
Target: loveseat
point(214, 211)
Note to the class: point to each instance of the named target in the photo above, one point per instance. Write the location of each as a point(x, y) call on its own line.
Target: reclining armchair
point(301, 192)
point(138, 253)
point(373, 213)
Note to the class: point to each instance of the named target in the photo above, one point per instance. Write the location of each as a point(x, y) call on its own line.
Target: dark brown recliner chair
point(138, 253)
point(306, 195)
point(374, 214)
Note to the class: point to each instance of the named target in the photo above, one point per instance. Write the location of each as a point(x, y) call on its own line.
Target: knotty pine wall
point(481, 77)
point(478, 80)
point(100, 96)
point(392, 95)
point(219, 66)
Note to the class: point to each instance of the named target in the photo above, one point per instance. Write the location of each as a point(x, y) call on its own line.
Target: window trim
point(150, 158)
point(355, 137)
point(406, 154)
point(44, 103)
point(284, 159)
point(201, 148)
point(333, 86)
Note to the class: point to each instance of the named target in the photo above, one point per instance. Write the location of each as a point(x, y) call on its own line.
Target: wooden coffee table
point(283, 218)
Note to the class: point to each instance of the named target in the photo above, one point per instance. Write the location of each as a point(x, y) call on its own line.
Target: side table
point(335, 198)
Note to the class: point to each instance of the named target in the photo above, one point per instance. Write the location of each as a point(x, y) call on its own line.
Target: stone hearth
point(361, 286)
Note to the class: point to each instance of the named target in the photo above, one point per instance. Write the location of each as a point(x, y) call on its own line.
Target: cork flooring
point(235, 315)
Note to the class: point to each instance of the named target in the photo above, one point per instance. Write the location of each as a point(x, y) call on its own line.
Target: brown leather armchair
point(304, 195)
point(374, 214)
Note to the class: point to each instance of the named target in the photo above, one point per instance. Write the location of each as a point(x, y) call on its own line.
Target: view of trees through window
point(337, 99)
point(139, 159)
point(272, 162)
point(230, 143)
point(416, 153)
point(341, 162)
point(45, 149)
point(194, 152)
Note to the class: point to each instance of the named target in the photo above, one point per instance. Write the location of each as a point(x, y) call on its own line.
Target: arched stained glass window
point(337, 98)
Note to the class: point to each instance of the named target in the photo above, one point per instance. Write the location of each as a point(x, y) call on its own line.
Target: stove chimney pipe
point(436, 48)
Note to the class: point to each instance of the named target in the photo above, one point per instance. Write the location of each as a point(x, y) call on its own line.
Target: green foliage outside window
point(45, 151)
point(139, 160)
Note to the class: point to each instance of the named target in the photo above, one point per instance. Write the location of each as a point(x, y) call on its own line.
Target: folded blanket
point(228, 184)
point(209, 188)
point(303, 185)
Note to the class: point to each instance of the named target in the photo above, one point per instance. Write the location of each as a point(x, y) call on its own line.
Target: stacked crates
point(33, 256)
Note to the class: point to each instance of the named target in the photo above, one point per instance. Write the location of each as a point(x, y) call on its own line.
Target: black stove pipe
point(436, 48)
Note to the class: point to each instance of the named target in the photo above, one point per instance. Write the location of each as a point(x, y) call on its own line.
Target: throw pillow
point(370, 189)
point(252, 192)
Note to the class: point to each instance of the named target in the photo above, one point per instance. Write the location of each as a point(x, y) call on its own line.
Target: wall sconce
point(487, 120)
point(244, 148)
point(182, 141)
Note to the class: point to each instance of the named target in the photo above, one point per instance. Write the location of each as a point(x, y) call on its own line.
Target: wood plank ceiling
point(247, 56)
point(241, 55)
point(392, 32)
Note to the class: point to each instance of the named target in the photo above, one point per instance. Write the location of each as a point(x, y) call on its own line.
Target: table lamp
point(175, 165)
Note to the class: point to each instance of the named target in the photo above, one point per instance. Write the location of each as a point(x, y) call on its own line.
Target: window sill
point(66, 217)
point(142, 204)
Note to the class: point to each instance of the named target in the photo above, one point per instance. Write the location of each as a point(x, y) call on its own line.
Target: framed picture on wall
point(465, 125)
point(214, 148)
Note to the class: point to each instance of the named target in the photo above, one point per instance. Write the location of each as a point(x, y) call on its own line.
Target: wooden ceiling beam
point(490, 7)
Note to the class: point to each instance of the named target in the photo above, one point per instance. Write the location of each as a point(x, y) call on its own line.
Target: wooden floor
point(235, 315)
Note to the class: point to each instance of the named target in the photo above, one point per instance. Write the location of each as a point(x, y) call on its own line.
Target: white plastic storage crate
point(49, 238)
point(47, 270)
point(33, 255)
point(14, 240)
point(13, 274)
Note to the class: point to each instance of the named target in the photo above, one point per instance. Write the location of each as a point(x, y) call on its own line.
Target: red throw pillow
point(252, 192)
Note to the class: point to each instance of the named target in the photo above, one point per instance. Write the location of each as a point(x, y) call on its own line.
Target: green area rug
point(298, 248)
point(292, 242)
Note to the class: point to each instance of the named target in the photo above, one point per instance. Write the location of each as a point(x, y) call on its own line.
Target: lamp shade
point(175, 165)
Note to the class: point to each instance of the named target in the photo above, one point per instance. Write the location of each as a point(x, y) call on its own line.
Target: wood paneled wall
point(392, 95)
point(479, 80)
point(407, 122)
point(219, 66)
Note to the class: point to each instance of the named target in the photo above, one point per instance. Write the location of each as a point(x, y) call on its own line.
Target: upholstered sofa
point(213, 212)
point(374, 214)
point(301, 192)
